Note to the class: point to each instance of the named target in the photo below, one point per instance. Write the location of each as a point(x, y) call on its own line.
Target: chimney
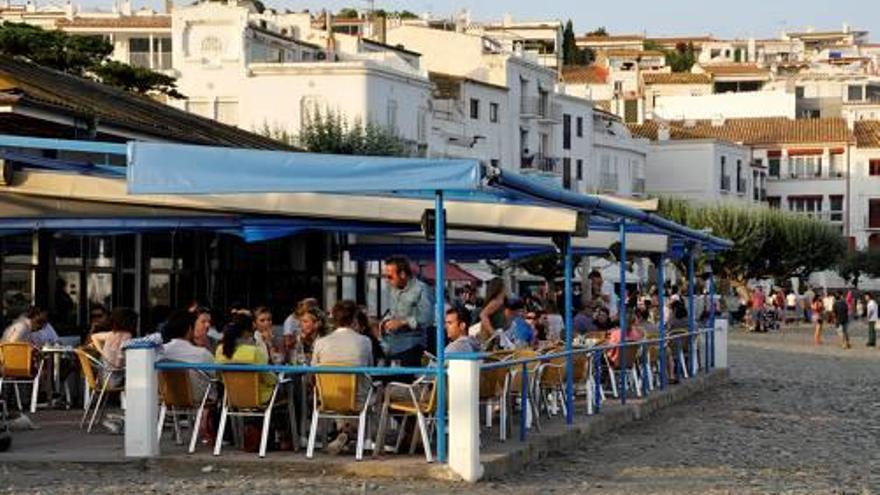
point(68, 10)
point(125, 7)
point(30, 6)
point(507, 19)
point(846, 28)
point(169, 6)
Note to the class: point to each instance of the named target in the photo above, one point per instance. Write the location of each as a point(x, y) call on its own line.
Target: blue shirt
point(520, 333)
point(413, 304)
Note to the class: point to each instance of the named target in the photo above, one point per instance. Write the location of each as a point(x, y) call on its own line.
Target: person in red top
point(758, 302)
point(633, 334)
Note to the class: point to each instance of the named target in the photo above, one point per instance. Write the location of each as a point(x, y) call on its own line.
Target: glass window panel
point(159, 290)
point(17, 291)
point(100, 252)
point(100, 289)
point(68, 250)
point(18, 249)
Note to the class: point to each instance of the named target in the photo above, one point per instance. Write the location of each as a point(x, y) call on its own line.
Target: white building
point(619, 158)
point(255, 71)
point(532, 116)
point(703, 170)
point(538, 40)
point(865, 186)
point(140, 37)
point(725, 105)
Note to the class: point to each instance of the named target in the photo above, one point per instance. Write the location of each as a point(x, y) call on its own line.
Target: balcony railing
point(536, 107)
point(638, 186)
point(542, 163)
point(725, 183)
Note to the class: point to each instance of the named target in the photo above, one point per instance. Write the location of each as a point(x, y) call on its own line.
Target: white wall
point(581, 147)
point(864, 187)
point(727, 105)
point(617, 152)
point(691, 169)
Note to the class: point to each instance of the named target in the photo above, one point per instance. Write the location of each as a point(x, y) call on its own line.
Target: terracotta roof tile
point(734, 69)
point(633, 53)
point(131, 21)
point(867, 133)
point(675, 78)
point(584, 74)
point(755, 131)
point(618, 37)
point(47, 89)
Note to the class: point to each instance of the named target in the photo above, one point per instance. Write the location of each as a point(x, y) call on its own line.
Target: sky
point(737, 18)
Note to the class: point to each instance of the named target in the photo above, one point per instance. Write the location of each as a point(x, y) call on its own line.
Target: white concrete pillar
point(142, 397)
point(721, 326)
point(464, 419)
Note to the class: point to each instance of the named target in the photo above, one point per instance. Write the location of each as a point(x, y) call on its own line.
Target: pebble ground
point(795, 419)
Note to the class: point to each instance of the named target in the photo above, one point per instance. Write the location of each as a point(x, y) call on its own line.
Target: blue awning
point(155, 168)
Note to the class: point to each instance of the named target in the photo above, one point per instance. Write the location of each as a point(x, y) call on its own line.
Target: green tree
point(83, 56)
point(330, 132)
point(682, 58)
point(857, 264)
point(571, 53)
point(136, 79)
point(599, 31)
point(347, 13)
point(767, 243)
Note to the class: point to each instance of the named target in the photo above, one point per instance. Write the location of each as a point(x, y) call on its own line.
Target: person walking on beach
point(871, 316)
point(841, 319)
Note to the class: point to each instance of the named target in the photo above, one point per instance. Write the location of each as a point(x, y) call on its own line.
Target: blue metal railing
point(597, 353)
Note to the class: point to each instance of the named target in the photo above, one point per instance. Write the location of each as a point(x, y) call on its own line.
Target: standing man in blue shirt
point(410, 316)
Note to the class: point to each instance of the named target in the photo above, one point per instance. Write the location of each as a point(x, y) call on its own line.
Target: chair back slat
point(87, 367)
point(555, 373)
point(337, 392)
point(581, 365)
point(242, 389)
point(17, 360)
point(175, 389)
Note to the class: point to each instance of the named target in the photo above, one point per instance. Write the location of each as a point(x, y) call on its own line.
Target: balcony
point(449, 110)
point(638, 186)
point(536, 107)
point(542, 163)
point(725, 183)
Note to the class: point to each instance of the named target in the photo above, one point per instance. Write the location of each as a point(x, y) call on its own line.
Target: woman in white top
point(123, 325)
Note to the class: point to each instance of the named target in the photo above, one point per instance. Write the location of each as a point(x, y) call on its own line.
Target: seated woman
point(312, 325)
point(123, 324)
point(238, 346)
point(633, 333)
point(181, 329)
point(264, 334)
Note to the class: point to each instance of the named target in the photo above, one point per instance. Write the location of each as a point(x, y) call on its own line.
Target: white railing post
point(464, 418)
point(720, 340)
point(142, 397)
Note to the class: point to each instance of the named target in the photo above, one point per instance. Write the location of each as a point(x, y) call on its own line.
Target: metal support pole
point(692, 322)
point(597, 377)
point(569, 359)
point(439, 315)
point(524, 402)
point(710, 341)
point(661, 325)
point(621, 313)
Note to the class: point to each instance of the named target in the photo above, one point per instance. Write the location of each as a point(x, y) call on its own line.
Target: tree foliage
point(571, 53)
point(330, 132)
point(857, 264)
point(768, 243)
point(599, 31)
point(83, 56)
point(136, 79)
point(681, 59)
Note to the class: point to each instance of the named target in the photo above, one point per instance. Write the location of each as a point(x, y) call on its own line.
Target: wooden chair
point(20, 364)
point(550, 384)
point(98, 381)
point(177, 399)
point(241, 398)
point(336, 398)
point(410, 400)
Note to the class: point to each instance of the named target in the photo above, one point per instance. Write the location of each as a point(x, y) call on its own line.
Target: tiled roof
point(734, 69)
point(633, 53)
point(584, 74)
point(675, 78)
point(619, 37)
point(754, 131)
point(129, 21)
point(867, 133)
point(680, 39)
point(46, 89)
